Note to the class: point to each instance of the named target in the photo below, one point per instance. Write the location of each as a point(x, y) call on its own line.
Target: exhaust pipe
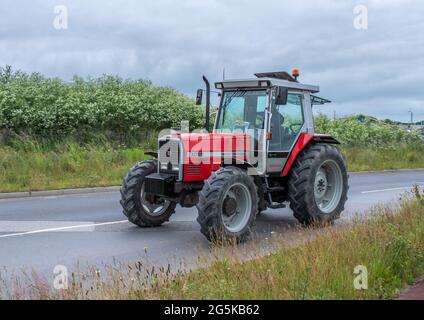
point(208, 102)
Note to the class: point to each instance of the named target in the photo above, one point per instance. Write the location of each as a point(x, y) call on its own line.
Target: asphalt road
point(40, 233)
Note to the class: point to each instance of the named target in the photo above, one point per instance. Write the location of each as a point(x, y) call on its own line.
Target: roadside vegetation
point(374, 145)
point(88, 132)
point(316, 264)
point(40, 106)
point(27, 165)
point(385, 158)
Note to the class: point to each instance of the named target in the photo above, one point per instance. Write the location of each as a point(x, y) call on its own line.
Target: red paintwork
point(304, 140)
point(207, 144)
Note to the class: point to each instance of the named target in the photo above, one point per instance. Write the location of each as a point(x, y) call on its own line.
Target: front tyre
point(141, 209)
point(318, 185)
point(227, 206)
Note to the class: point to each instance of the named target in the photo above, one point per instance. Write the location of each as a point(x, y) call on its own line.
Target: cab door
point(287, 122)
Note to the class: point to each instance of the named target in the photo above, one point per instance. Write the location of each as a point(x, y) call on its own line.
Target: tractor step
point(276, 205)
point(269, 191)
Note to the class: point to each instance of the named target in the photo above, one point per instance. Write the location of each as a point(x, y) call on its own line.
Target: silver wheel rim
point(237, 220)
point(153, 209)
point(328, 186)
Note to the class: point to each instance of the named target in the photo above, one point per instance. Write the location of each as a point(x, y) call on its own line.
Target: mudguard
point(304, 140)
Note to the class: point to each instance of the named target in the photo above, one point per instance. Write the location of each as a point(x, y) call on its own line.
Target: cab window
point(286, 123)
point(242, 110)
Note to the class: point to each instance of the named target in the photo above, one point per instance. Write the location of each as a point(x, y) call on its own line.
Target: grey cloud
point(379, 71)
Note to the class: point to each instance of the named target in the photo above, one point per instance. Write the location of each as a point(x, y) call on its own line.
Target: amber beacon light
point(295, 73)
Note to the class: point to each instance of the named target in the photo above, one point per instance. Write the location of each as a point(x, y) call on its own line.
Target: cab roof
point(265, 82)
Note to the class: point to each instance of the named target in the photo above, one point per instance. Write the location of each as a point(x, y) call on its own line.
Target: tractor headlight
point(175, 167)
point(163, 166)
point(169, 166)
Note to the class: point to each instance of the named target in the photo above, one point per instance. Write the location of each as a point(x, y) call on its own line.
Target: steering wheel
point(244, 126)
point(294, 125)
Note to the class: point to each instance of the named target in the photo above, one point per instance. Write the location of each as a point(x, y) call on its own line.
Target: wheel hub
point(328, 186)
point(236, 207)
point(229, 206)
point(154, 207)
point(321, 184)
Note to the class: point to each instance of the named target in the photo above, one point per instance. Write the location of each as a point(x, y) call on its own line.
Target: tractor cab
point(274, 108)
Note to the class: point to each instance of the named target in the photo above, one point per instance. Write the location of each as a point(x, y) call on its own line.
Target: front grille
point(169, 154)
point(192, 170)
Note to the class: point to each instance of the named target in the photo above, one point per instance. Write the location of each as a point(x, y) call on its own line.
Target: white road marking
point(390, 189)
point(82, 226)
point(14, 226)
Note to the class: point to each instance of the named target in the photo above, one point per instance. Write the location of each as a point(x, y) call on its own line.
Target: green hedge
point(37, 105)
point(353, 133)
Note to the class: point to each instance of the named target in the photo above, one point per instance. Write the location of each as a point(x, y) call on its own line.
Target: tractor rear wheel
point(141, 209)
point(227, 206)
point(318, 185)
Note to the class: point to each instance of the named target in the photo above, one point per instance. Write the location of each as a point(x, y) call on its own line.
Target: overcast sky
point(378, 71)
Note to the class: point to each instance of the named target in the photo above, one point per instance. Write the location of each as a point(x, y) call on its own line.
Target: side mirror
point(199, 97)
point(282, 96)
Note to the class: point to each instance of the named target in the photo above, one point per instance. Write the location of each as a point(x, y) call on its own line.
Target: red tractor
point(263, 153)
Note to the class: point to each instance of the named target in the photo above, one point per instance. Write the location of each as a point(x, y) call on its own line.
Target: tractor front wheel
point(141, 209)
point(318, 185)
point(227, 206)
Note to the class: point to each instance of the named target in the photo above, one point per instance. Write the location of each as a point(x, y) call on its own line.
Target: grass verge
point(32, 166)
point(390, 245)
point(390, 158)
point(72, 166)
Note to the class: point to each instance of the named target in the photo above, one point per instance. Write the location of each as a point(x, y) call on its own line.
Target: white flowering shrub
point(352, 132)
point(38, 105)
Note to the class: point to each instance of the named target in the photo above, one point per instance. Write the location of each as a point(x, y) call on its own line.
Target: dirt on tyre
point(318, 185)
point(228, 204)
point(141, 209)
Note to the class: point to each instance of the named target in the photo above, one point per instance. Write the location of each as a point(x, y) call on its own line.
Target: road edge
point(413, 292)
point(79, 191)
point(62, 192)
point(385, 171)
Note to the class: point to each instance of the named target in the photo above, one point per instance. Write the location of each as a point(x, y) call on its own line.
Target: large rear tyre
point(227, 206)
point(318, 185)
point(141, 209)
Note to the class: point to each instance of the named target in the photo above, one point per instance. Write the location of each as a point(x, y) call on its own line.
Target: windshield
point(242, 110)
